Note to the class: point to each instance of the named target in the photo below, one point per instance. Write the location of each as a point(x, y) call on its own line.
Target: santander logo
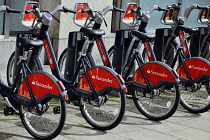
point(42, 85)
point(102, 79)
point(197, 68)
point(157, 73)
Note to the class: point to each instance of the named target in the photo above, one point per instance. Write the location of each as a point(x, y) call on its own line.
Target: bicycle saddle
point(143, 36)
point(90, 32)
point(26, 43)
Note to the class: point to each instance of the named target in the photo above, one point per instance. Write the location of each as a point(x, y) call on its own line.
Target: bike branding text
point(42, 85)
point(197, 68)
point(157, 73)
point(102, 79)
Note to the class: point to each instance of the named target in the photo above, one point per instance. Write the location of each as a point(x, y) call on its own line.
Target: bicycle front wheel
point(47, 123)
point(106, 113)
point(196, 99)
point(159, 105)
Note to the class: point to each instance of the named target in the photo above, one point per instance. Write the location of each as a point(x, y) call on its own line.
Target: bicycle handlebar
point(98, 16)
point(134, 10)
point(118, 10)
point(90, 12)
point(6, 9)
point(202, 7)
point(29, 11)
point(161, 9)
point(190, 8)
point(176, 5)
point(9, 10)
point(67, 10)
point(35, 10)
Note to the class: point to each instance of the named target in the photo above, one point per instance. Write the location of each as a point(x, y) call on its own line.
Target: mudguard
point(102, 79)
point(42, 85)
point(156, 73)
point(197, 68)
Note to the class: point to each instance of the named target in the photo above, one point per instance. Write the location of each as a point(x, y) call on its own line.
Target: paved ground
point(181, 126)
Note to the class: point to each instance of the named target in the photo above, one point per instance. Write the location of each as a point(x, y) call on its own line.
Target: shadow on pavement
point(4, 136)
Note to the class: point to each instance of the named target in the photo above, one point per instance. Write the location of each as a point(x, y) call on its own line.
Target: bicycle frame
point(12, 91)
point(53, 63)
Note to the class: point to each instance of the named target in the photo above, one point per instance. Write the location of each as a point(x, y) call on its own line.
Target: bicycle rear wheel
point(33, 65)
point(46, 124)
point(159, 105)
point(196, 100)
point(106, 113)
point(205, 49)
point(62, 61)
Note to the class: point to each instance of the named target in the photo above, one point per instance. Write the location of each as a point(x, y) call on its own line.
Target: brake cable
point(102, 18)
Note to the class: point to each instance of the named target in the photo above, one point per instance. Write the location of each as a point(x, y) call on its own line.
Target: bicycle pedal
point(129, 96)
point(128, 83)
point(9, 111)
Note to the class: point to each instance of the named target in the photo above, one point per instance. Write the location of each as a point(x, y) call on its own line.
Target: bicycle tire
point(105, 116)
point(205, 50)
point(110, 53)
point(62, 60)
point(33, 65)
point(45, 126)
point(86, 106)
point(156, 107)
point(138, 101)
point(197, 101)
point(169, 54)
point(10, 69)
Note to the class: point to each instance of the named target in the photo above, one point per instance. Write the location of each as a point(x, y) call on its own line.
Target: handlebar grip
point(65, 9)
point(86, 10)
point(29, 11)
point(118, 10)
point(134, 10)
point(12, 10)
point(203, 7)
point(176, 5)
point(89, 11)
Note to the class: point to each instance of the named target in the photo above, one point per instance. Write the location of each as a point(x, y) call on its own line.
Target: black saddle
point(90, 32)
point(143, 36)
point(26, 43)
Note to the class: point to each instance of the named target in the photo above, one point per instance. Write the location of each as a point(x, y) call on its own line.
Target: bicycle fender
point(156, 73)
point(196, 66)
point(42, 85)
point(102, 79)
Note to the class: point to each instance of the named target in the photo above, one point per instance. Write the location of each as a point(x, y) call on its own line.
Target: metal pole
point(7, 21)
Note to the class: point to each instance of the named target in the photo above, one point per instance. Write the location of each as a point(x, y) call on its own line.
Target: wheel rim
point(10, 74)
point(196, 100)
point(44, 125)
point(102, 115)
point(157, 105)
point(62, 65)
